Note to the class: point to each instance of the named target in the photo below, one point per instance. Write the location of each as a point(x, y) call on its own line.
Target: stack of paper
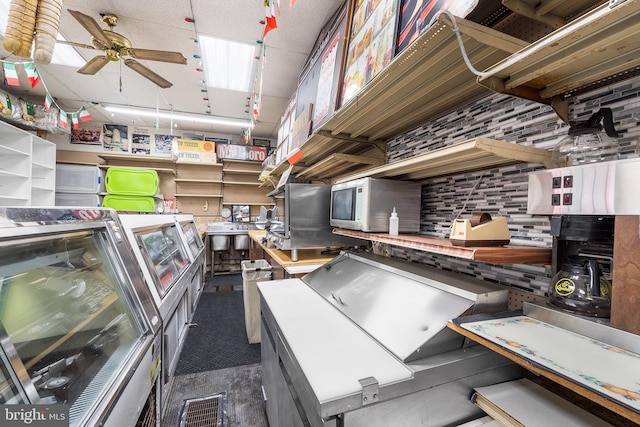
point(482, 422)
point(522, 403)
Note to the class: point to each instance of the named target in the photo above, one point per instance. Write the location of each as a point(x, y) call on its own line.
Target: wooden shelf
point(134, 158)
point(71, 162)
point(159, 170)
point(247, 204)
point(216, 196)
point(255, 184)
point(474, 154)
point(200, 181)
point(491, 254)
point(553, 13)
point(241, 171)
point(188, 163)
point(427, 79)
point(338, 164)
point(589, 52)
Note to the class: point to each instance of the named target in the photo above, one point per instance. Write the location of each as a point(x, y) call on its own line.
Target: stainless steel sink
point(230, 228)
point(221, 233)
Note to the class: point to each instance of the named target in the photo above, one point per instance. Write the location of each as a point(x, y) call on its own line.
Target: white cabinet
point(27, 168)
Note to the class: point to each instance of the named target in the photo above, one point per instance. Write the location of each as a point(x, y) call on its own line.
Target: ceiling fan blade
point(146, 72)
point(94, 65)
point(158, 55)
point(82, 45)
point(91, 26)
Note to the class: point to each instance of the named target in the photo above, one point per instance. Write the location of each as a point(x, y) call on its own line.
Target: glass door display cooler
point(196, 247)
point(161, 249)
point(77, 323)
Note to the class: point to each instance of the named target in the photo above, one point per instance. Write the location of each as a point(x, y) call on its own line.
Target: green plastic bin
point(132, 182)
point(129, 203)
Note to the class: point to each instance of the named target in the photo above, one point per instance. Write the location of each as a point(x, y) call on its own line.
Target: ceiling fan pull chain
point(120, 76)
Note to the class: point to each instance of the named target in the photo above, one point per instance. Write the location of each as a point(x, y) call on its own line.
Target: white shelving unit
point(27, 168)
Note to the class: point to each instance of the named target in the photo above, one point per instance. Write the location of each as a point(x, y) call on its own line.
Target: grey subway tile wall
point(503, 191)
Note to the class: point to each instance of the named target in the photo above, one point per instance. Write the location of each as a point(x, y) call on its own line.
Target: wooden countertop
point(310, 258)
point(510, 254)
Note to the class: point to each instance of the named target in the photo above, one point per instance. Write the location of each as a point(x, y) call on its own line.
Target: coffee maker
point(582, 264)
point(583, 202)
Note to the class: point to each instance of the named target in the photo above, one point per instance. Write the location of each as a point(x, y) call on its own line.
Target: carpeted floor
point(220, 339)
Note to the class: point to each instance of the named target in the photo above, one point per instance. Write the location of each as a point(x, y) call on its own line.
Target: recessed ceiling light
point(227, 64)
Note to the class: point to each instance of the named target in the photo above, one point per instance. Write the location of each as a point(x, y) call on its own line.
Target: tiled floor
point(243, 404)
point(217, 358)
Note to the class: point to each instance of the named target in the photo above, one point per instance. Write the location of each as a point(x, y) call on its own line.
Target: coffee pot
point(586, 143)
point(579, 287)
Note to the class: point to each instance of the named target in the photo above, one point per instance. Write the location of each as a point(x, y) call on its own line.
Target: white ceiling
point(161, 25)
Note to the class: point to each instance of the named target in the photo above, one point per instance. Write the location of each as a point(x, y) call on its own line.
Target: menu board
point(371, 43)
point(330, 64)
point(415, 16)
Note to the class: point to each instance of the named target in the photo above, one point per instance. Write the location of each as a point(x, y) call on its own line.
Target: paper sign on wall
point(241, 152)
point(195, 151)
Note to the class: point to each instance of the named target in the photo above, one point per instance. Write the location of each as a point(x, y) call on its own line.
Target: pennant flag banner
point(11, 79)
point(10, 74)
point(74, 120)
point(84, 115)
point(257, 98)
point(32, 74)
point(245, 134)
point(28, 109)
point(63, 119)
point(5, 101)
point(48, 102)
point(270, 20)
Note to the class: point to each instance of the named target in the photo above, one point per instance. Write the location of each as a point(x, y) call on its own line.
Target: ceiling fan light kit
point(116, 47)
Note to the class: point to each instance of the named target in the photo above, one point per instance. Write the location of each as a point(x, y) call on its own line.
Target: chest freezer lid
point(404, 306)
point(332, 351)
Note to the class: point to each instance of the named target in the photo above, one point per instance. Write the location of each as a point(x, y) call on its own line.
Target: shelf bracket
point(538, 13)
point(380, 145)
point(559, 103)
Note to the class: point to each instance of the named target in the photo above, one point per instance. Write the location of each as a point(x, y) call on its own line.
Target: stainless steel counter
point(362, 341)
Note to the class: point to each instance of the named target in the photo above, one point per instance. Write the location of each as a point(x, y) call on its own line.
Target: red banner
point(241, 152)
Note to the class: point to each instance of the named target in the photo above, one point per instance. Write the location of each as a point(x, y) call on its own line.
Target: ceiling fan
point(116, 47)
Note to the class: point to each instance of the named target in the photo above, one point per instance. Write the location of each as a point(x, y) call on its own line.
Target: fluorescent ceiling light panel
point(186, 117)
point(227, 64)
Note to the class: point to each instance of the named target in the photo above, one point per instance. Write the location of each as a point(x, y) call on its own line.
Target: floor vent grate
point(203, 411)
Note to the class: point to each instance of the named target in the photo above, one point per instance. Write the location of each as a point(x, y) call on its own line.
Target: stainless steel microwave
point(366, 204)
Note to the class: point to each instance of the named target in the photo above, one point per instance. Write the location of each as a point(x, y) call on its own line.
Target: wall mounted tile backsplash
point(503, 191)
